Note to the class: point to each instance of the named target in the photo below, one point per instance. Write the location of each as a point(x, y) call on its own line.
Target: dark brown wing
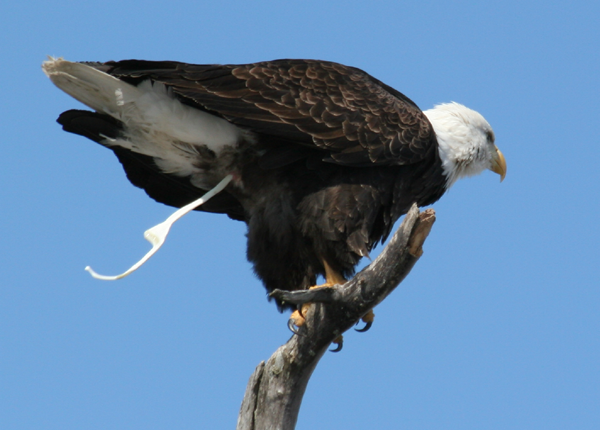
point(351, 116)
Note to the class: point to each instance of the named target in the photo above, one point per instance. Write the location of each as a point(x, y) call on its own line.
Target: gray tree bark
point(275, 390)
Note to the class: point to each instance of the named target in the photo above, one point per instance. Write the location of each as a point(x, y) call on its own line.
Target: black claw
point(338, 348)
point(365, 328)
point(293, 327)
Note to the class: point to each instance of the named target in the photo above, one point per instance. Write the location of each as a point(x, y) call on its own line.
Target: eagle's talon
point(293, 327)
point(338, 348)
point(340, 344)
point(368, 319)
point(365, 328)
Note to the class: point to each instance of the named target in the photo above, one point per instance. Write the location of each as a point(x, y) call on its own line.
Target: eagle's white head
point(466, 142)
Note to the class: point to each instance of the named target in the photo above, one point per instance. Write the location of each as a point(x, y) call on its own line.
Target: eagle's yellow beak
point(499, 164)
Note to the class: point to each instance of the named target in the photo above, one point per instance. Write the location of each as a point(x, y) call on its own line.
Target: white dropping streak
point(158, 234)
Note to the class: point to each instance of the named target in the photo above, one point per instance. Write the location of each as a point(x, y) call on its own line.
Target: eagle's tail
point(150, 118)
point(92, 87)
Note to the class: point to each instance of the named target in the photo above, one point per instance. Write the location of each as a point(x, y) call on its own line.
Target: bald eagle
point(324, 157)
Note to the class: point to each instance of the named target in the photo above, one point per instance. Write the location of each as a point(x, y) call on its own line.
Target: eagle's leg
point(332, 277)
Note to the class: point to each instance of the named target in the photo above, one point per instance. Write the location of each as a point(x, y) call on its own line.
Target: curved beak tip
point(499, 164)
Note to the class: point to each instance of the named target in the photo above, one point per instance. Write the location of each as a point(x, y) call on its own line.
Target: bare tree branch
point(275, 390)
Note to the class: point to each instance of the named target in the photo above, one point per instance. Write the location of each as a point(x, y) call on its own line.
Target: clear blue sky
point(498, 325)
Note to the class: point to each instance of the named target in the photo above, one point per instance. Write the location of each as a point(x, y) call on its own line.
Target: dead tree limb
point(275, 390)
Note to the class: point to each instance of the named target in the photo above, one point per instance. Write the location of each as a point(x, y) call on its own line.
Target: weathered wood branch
point(275, 390)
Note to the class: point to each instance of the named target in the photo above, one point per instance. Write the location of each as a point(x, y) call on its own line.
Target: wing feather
point(344, 112)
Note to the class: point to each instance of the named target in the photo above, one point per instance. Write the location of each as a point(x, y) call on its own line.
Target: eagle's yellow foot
point(297, 317)
point(297, 320)
point(368, 319)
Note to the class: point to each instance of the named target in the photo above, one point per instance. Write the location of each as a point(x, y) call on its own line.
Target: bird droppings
point(158, 234)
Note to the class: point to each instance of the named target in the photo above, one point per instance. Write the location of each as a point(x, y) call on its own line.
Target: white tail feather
point(96, 89)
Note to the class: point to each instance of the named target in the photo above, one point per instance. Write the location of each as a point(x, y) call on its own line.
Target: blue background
point(497, 327)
